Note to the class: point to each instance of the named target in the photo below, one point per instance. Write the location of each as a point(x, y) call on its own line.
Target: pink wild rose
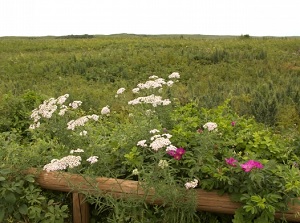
point(231, 161)
point(249, 165)
point(180, 151)
point(177, 154)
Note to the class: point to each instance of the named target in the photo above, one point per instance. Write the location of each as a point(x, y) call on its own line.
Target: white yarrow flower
point(77, 151)
point(135, 90)
point(62, 110)
point(153, 77)
point(78, 122)
point(159, 142)
point(174, 75)
point(163, 164)
point(191, 184)
point(62, 99)
point(142, 143)
point(83, 133)
point(135, 172)
point(153, 131)
point(62, 164)
point(121, 90)
point(171, 148)
point(92, 159)
point(75, 104)
point(210, 126)
point(105, 110)
point(94, 117)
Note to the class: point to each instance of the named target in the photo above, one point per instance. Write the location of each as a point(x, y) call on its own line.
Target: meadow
point(247, 86)
point(261, 75)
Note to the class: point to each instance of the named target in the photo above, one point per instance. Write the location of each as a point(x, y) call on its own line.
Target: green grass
point(259, 73)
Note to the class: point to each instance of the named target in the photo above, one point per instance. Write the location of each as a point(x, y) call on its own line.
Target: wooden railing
point(77, 184)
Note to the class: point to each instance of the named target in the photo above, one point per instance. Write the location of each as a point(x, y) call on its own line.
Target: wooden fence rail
point(206, 201)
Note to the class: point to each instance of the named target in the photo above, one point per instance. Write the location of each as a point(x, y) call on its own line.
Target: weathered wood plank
point(81, 213)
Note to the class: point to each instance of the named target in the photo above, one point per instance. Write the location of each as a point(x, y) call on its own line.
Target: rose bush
point(172, 146)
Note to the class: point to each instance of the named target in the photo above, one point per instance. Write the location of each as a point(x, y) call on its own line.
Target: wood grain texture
point(81, 212)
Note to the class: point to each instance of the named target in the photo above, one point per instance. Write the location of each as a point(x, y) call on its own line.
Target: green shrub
point(21, 200)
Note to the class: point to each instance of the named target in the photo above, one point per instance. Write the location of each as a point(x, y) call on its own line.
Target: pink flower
point(177, 154)
point(231, 161)
point(233, 123)
point(249, 165)
point(180, 151)
point(172, 152)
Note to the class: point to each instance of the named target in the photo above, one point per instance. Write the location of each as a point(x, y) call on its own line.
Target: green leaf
point(2, 213)
point(249, 208)
point(64, 207)
point(10, 198)
point(29, 178)
point(23, 209)
point(256, 199)
point(5, 171)
point(2, 178)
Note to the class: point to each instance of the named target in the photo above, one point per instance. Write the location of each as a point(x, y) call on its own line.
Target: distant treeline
point(85, 36)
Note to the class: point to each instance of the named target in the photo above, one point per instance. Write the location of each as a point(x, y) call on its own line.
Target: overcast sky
point(209, 17)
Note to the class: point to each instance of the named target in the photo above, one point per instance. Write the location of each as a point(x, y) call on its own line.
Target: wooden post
point(81, 212)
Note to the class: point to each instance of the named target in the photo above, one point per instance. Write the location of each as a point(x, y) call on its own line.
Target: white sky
point(208, 17)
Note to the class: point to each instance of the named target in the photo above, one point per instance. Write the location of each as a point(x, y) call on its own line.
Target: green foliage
point(21, 200)
point(14, 112)
point(211, 68)
point(247, 86)
point(118, 138)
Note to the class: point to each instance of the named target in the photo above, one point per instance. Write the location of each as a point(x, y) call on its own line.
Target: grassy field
point(261, 75)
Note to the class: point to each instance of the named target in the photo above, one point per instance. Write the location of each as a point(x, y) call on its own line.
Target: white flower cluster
point(62, 99)
point(135, 172)
point(153, 77)
point(156, 83)
point(83, 133)
point(75, 104)
point(174, 75)
point(120, 91)
point(81, 121)
point(77, 151)
point(63, 163)
point(160, 141)
point(170, 83)
point(135, 90)
point(63, 109)
point(92, 159)
point(153, 131)
point(105, 110)
point(171, 148)
point(142, 143)
point(163, 164)
point(210, 126)
point(151, 99)
point(48, 107)
point(191, 184)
